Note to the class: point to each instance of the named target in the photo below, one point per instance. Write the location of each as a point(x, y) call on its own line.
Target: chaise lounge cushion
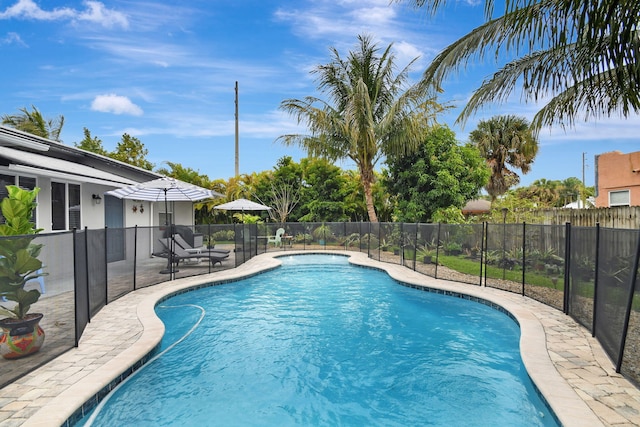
point(180, 254)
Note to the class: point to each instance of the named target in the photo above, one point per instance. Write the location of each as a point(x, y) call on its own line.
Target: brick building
point(617, 179)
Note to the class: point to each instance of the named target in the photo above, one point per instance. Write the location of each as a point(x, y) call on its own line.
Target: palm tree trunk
point(367, 180)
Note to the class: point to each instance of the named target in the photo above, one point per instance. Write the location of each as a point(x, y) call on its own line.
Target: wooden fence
point(616, 217)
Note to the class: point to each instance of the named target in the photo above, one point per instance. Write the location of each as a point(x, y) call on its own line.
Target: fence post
point(324, 237)
point(632, 290)
point(106, 265)
point(567, 267)
point(135, 252)
point(209, 241)
point(402, 244)
point(75, 288)
point(415, 248)
point(86, 263)
point(379, 239)
point(595, 283)
point(344, 233)
point(504, 244)
point(524, 255)
point(435, 275)
point(235, 243)
point(482, 255)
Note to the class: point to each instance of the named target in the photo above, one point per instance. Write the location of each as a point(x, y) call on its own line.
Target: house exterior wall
point(133, 215)
point(184, 213)
point(616, 172)
point(69, 173)
point(91, 214)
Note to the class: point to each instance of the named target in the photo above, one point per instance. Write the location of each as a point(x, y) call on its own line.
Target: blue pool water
point(318, 342)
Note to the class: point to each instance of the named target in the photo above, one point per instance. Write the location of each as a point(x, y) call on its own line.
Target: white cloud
point(324, 19)
point(95, 12)
point(28, 9)
point(116, 104)
point(137, 50)
point(12, 38)
point(340, 23)
point(407, 52)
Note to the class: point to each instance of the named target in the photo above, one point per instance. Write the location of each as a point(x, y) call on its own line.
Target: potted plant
point(426, 255)
point(21, 332)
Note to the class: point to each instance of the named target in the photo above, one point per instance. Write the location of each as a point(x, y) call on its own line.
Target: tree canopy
point(93, 144)
point(33, 122)
point(132, 151)
point(440, 174)
point(505, 141)
point(370, 113)
point(581, 58)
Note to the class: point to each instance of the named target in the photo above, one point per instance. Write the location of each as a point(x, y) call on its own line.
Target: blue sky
point(165, 71)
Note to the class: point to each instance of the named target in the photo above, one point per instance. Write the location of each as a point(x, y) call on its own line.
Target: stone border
point(124, 336)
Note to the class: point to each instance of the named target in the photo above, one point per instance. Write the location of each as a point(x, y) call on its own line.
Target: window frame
point(627, 203)
point(67, 212)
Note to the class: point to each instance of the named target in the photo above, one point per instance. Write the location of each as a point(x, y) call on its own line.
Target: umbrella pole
point(169, 269)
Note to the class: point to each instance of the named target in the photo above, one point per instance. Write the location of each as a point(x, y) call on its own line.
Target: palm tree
point(585, 54)
point(570, 190)
point(32, 122)
point(368, 115)
point(545, 191)
point(502, 141)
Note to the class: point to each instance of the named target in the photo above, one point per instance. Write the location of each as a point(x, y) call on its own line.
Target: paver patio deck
point(566, 363)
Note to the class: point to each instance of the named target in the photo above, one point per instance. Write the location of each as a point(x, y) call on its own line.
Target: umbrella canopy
point(164, 189)
point(477, 206)
point(242, 205)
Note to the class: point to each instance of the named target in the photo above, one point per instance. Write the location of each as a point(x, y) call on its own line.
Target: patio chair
point(179, 254)
point(187, 247)
point(277, 239)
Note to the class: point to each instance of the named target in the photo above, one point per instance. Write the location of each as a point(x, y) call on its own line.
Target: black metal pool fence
point(589, 273)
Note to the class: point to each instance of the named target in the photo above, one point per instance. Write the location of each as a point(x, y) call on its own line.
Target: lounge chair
point(179, 254)
point(277, 239)
point(187, 247)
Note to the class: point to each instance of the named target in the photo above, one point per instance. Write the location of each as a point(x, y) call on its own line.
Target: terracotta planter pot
point(21, 337)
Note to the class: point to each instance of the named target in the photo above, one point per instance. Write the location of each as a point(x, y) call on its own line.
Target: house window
point(65, 206)
point(619, 198)
point(74, 206)
point(25, 182)
point(165, 219)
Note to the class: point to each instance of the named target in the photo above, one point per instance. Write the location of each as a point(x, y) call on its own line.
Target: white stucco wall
point(93, 215)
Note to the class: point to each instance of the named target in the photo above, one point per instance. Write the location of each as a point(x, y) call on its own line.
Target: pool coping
point(144, 331)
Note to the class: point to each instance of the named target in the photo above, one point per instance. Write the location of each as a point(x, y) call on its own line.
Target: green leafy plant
point(425, 252)
point(19, 261)
point(244, 218)
point(452, 248)
point(323, 232)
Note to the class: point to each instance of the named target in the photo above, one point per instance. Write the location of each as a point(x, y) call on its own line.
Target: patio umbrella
point(167, 189)
point(242, 205)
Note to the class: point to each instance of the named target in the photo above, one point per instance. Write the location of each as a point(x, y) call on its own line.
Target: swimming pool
point(320, 342)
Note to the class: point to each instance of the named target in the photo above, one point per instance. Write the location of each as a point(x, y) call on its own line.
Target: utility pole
point(237, 143)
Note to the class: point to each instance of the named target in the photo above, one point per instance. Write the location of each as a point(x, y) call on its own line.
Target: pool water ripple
point(330, 345)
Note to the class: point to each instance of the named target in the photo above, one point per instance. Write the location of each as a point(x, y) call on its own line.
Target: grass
point(472, 267)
